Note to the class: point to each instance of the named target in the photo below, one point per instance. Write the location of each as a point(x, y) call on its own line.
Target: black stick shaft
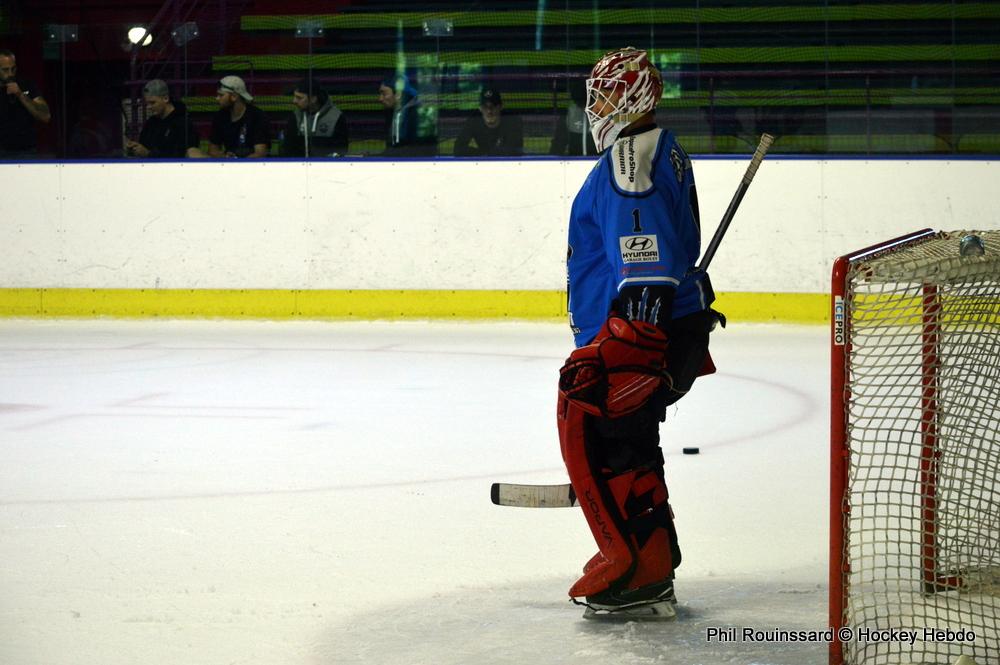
point(765, 142)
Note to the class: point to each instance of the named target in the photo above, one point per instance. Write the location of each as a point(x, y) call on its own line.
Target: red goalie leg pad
point(615, 547)
point(594, 561)
point(627, 513)
point(640, 501)
point(642, 498)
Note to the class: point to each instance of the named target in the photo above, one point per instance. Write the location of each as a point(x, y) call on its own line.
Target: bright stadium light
point(135, 35)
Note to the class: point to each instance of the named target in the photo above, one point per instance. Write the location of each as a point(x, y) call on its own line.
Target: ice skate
point(653, 602)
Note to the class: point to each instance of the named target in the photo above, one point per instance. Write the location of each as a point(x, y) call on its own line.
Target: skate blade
point(662, 611)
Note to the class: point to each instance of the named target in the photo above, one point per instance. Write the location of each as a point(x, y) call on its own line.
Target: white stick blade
point(533, 496)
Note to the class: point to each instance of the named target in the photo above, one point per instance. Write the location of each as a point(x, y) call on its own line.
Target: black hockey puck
point(691, 451)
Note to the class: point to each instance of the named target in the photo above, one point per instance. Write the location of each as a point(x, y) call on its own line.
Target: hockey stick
point(563, 496)
point(758, 156)
point(533, 496)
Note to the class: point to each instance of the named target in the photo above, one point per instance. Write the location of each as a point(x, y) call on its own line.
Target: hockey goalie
point(640, 314)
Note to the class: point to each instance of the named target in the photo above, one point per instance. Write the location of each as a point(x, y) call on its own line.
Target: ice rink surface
point(225, 493)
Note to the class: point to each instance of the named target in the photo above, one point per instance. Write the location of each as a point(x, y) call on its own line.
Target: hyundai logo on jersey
point(640, 243)
point(639, 249)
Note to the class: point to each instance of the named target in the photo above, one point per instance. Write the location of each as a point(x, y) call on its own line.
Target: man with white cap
point(239, 129)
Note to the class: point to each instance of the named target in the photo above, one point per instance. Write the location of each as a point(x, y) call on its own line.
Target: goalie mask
point(622, 87)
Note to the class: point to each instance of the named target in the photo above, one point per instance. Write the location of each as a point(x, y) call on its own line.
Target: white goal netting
point(921, 510)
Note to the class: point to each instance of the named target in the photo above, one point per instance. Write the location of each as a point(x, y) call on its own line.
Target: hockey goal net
point(915, 452)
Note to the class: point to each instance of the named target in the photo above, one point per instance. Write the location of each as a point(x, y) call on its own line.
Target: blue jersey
point(634, 222)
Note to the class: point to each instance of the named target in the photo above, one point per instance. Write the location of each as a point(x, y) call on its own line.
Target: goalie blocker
point(613, 394)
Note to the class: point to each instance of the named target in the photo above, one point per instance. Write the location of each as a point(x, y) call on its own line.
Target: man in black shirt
point(167, 134)
point(493, 133)
point(21, 106)
point(239, 129)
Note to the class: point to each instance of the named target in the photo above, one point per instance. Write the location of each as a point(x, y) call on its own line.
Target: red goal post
point(915, 447)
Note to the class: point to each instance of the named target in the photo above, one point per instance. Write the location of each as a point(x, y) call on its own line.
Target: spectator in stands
point(168, 133)
point(572, 136)
point(21, 108)
point(402, 119)
point(239, 129)
point(316, 127)
point(493, 133)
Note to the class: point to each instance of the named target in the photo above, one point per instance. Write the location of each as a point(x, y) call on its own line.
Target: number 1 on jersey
point(636, 228)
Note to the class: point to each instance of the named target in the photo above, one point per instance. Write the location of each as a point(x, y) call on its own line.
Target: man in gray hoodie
point(316, 127)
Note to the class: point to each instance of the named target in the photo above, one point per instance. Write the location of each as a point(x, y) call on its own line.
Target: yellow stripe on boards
point(279, 304)
point(774, 307)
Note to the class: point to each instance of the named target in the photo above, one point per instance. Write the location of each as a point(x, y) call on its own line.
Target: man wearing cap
point(239, 129)
point(21, 107)
point(168, 133)
point(493, 133)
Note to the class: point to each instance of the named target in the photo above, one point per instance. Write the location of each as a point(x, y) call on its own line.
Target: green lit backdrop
point(825, 77)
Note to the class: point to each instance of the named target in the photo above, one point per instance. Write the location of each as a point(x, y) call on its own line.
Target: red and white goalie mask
point(623, 86)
